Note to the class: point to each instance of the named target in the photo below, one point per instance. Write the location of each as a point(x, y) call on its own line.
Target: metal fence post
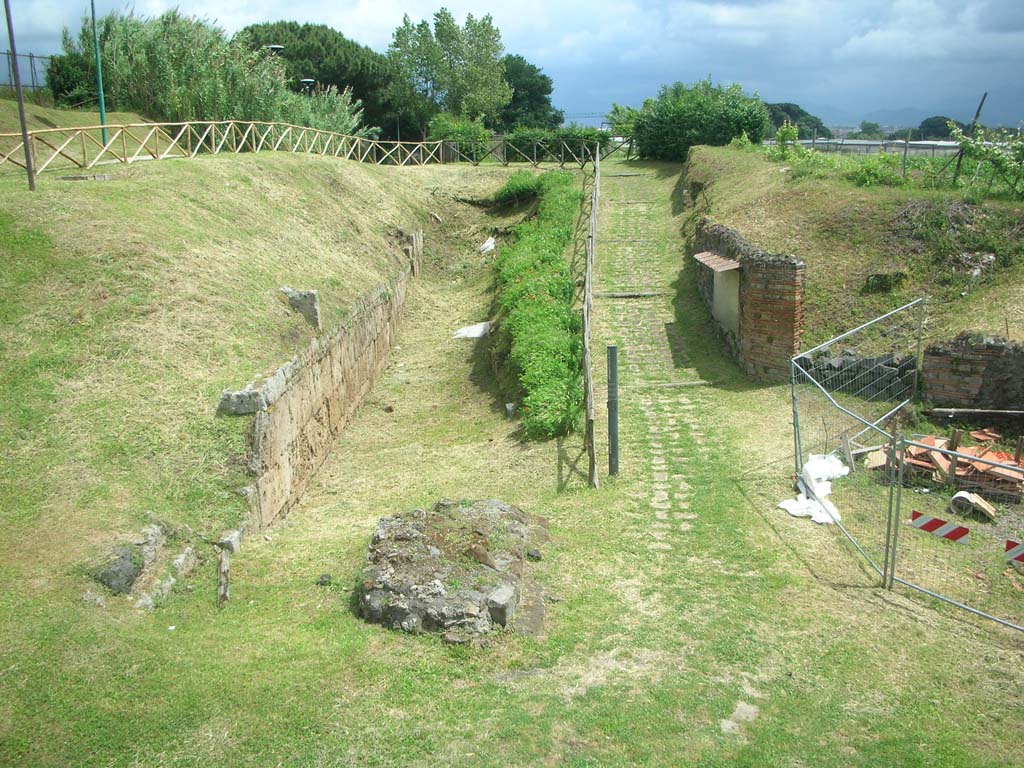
point(900, 450)
point(918, 362)
point(797, 448)
point(613, 409)
point(891, 471)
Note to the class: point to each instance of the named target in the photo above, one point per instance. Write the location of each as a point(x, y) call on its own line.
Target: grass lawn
point(753, 639)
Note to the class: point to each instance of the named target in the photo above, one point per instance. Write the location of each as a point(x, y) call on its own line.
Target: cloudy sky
point(842, 59)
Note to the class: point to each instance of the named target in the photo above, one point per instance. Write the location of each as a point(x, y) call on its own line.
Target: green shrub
point(522, 186)
point(786, 142)
point(532, 143)
point(684, 116)
point(539, 325)
point(881, 170)
point(579, 136)
point(469, 136)
point(175, 68)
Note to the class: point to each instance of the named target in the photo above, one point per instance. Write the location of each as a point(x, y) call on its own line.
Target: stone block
point(306, 303)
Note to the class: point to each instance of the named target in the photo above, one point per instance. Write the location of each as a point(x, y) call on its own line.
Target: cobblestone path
point(638, 253)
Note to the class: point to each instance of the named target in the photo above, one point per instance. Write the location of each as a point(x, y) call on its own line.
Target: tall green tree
point(326, 55)
point(530, 106)
point(448, 68)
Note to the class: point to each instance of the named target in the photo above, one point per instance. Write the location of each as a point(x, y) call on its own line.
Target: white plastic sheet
point(816, 479)
point(488, 245)
point(473, 331)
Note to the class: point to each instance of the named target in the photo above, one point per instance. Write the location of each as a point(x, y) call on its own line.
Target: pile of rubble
point(459, 569)
point(979, 471)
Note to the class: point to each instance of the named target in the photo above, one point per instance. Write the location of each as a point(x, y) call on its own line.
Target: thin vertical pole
point(797, 449)
point(918, 362)
point(613, 409)
point(12, 58)
point(891, 474)
point(901, 448)
point(906, 146)
point(99, 73)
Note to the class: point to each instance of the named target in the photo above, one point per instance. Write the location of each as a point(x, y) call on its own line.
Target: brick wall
point(975, 371)
point(771, 301)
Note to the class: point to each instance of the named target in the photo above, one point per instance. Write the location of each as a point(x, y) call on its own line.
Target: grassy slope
point(127, 305)
point(846, 233)
point(643, 657)
point(40, 118)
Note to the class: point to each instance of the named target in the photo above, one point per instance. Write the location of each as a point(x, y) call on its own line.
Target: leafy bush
point(1002, 150)
point(545, 145)
point(535, 296)
point(786, 142)
point(71, 79)
point(176, 68)
point(684, 116)
point(521, 187)
point(881, 170)
point(576, 136)
point(470, 136)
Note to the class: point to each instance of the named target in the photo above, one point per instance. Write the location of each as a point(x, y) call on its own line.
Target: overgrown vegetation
point(546, 143)
point(683, 116)
point(871, 240)
point(324, 54)
point(469, 136)
point(539, 327)
point(176, 68)
point(992, 165)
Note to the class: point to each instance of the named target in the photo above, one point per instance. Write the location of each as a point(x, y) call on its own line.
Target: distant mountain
point(832, 115)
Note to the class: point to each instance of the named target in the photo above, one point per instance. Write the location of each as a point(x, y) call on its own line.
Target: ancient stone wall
point(975, 371)
point(771, 301)
point(301, 409)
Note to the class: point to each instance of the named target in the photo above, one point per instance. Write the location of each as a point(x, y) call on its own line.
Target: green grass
point(644, 654)
point(846, 232)
point(39, 117)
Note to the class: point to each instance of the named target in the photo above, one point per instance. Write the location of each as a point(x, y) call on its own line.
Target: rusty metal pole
point(21, 100)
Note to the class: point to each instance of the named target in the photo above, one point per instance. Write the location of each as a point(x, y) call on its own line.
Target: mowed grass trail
point(690, 623)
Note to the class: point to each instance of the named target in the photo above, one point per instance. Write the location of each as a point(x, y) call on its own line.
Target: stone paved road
point(637, 253)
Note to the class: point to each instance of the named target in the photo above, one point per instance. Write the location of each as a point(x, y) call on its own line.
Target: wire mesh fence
point(957, 521)
point(847, 391)
point(941, 515)
point(847, 396)
point(31, 67)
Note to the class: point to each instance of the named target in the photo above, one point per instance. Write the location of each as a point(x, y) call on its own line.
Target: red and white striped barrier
point(940, 528)
point(1014, 551)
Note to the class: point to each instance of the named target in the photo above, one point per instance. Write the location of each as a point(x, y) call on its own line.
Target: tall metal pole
point(99, 72)
point(21, 101)
point(613, 409)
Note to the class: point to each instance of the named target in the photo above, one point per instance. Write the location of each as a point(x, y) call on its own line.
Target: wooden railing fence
point(85, 148)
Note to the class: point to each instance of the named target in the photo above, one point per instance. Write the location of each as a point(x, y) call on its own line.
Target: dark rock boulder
point(458, 569)
point(121, 571)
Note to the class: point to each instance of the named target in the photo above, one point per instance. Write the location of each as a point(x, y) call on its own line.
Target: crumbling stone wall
point(301, 409)
point(771, 301)
point(975, 371)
